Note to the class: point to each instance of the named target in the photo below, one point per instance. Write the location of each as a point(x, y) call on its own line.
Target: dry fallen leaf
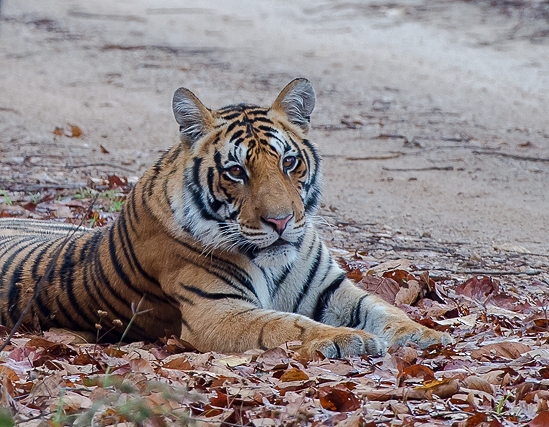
point(541, 420)
point(338, 399)
point(507, 350)
point(408, 295)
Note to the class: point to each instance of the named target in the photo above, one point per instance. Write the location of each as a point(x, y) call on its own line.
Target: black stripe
point(129, 253)
point(121, 273)
point(214, 295)
point(324, 297)
point(232, 116)
point(132, 210)
point(221, 265)
point(37, 261)
point(236, 135)
point(355, 319)
point(338, 350)
point(13, 294)
point(313, 269)
point(16, 242)
point(279, 281)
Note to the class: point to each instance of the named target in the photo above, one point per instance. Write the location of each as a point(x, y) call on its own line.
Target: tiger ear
point(297, 101)
point(194, 119)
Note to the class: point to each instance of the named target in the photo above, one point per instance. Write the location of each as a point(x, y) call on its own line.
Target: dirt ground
point(432, 116)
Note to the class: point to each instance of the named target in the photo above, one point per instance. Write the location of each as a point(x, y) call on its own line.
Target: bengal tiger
point(218, 238)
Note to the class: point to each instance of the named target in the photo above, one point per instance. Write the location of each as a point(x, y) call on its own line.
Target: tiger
point(217, 240)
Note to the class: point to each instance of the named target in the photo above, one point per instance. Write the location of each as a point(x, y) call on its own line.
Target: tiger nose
point(279, 224)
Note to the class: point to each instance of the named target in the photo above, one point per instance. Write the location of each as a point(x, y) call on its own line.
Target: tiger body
point(217, 239)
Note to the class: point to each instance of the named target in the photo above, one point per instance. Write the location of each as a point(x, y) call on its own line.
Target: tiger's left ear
point(195, 120)
point(296, 102)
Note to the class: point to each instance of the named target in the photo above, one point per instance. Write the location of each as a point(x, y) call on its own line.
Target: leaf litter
point(494, 375)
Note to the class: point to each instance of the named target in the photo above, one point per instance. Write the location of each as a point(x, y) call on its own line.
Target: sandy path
point(439, 102)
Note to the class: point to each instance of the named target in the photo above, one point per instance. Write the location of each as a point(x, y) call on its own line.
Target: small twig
point(391, 136)
point(425, 248)
point(112, 165)
point(381, 157)
point(45, 277)
point(432, 168)
point(512, 156)
point(21, 186)
point(105, 17)
point(490, 272)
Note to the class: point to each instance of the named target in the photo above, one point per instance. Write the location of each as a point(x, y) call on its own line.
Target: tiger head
point(251, 177)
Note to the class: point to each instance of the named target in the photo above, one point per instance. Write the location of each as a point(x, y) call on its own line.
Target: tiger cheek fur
point(217, 239)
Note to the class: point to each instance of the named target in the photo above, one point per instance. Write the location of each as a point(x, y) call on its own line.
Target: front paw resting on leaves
point(402, 332)
point(342, 342)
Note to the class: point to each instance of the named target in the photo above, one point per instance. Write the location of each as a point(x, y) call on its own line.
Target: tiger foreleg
point(233, 326)
point(352, 307)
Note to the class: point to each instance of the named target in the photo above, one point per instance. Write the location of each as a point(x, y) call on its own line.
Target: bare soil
point(431, 115)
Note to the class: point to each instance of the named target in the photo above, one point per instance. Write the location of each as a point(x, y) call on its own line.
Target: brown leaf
point(479, 287)
point(294, 374)
point(444, 388)
point(175, 345)
point(477, 383)
point(355, 420)
point(402, 277)
point(274, 358)
point(417, 371)
point(381, 286)
point(338, 399)
point(528, 391)
point(407, 354)
point(476, 419)
point(116, 181)
point(103, 149)
point(408, 295)
point(541, 420)
point(114, 352)
point(84, 359)
point(544, 373)
point(58, 131)
point(507, 350)
point(75, 131)
point(180, 363)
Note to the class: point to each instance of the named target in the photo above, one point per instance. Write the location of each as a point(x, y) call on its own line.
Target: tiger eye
point(237, 171)
point(289, 162)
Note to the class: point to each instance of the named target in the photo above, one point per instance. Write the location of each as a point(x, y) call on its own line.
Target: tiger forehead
point(250, 132)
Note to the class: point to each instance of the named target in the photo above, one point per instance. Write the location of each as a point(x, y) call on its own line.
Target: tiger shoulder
point(218, 240)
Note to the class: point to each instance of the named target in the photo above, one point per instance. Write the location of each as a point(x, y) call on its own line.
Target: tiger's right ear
point(297, 101)
point(194, 119)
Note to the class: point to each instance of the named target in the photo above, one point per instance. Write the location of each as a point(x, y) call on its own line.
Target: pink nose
point(279, 223)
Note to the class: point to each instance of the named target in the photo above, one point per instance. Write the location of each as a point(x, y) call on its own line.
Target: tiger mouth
point(280, 243)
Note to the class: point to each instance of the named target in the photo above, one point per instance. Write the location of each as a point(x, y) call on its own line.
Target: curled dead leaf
point(274, 358)
point(408, 295)
point(507, 350)
point(338, 399)
point(417, 371)
point(294, 374)
point(178, 363)
point(381, 286)
point(541, 420)
point(478, 288)
point(477, 383)
point(444, 388)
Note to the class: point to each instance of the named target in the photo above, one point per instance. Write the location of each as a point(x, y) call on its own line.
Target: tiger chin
point(217, 239)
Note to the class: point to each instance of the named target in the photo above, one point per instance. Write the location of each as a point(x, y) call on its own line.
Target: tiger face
point(251, 177)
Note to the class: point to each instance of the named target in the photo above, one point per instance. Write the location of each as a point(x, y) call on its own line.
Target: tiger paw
point(343, 342)
point(401, 332)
